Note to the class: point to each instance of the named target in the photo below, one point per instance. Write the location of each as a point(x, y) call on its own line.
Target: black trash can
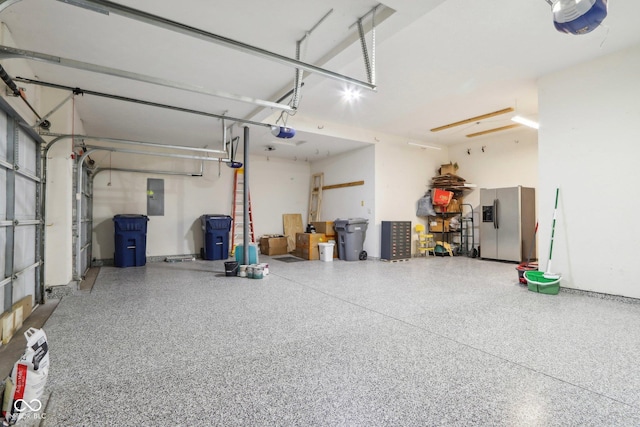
point(216, 236)
point(130, 235)
point(351, 234)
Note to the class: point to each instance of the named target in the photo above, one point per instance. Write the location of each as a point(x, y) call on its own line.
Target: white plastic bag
point(25, 386)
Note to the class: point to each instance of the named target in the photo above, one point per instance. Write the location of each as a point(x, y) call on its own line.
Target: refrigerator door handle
point(496, 223)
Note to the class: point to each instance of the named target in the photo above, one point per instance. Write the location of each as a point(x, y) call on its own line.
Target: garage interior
point(149, 108)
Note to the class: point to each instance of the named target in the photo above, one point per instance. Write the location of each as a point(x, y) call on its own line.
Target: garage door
point(20, 211)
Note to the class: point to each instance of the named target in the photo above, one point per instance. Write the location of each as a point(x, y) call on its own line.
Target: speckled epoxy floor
point(436, 341)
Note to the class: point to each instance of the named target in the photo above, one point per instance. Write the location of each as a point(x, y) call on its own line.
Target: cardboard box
point(445, 169)
point(307, 245)
point(325, 227)
point(439, 225)
point(273, 245)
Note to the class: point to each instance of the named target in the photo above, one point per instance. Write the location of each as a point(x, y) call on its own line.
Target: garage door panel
point(24, 285)
point(3, 197)
point(3, 252)
point(3, 136)
point(24, 252)
point(25, 198)
point(26, 153)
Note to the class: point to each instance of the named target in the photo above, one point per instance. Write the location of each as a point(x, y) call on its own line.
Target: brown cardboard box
point(325, 227)
point(273, 245)
point(445, 169)
point(307, 245)
point(438, 225)
point(455, 205)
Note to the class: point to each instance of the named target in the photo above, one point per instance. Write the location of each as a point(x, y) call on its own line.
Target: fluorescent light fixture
point(526, 122)
point(424, 146)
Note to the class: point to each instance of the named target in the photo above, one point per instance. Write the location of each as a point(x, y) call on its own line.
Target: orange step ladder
point(237, 212)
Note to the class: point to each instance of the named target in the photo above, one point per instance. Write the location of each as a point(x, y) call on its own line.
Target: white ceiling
point(437, 61)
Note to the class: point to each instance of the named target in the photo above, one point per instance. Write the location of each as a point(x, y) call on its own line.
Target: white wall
point(276, 186)
point(403, 175)
point(59, 191)
point(508, 160)
point(350, 202)
point(589, 147)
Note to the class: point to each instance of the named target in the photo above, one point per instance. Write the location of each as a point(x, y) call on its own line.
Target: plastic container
point(130, 238)
point(525, 267)
point(242, 271)
point(216, 236)
point(351, 234)
point(536, 282)
point(265, 268)
point(326, 252)
point(258, 272)
point(253, 254)
point(250, 271)
point(230, 268)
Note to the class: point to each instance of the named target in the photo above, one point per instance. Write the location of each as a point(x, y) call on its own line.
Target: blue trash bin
point(130, 235)
point(216, 236)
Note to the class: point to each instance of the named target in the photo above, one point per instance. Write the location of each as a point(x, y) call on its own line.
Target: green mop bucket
point(536, 282)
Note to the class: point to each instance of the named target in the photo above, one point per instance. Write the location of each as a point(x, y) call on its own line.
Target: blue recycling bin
point(216, 236)
point(130, 234)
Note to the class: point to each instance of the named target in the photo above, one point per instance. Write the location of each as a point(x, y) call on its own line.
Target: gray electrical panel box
point(155, 197)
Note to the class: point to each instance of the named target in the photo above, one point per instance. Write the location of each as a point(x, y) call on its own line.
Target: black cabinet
point(396, 240)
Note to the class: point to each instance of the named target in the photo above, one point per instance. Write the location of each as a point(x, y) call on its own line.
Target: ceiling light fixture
point(525, 121)
point(424, 146)
point(351, 94)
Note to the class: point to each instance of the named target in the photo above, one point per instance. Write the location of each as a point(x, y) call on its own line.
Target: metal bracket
point(370, 65)
point(56, 108)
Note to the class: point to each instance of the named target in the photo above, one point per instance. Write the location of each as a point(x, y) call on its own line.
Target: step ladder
point(315, 197)
point(237, 214)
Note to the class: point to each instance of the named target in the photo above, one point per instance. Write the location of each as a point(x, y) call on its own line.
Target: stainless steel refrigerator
point(508, 223)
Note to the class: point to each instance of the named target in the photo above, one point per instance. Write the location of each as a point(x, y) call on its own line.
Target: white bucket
point(265, 268)
point(326, 252)
point(243, 271)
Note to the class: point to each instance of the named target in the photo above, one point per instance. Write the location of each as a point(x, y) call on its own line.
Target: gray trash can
point(351, 233)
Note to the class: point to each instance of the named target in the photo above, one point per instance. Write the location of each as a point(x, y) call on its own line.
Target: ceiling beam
point(473, 119)
point(484, 132)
